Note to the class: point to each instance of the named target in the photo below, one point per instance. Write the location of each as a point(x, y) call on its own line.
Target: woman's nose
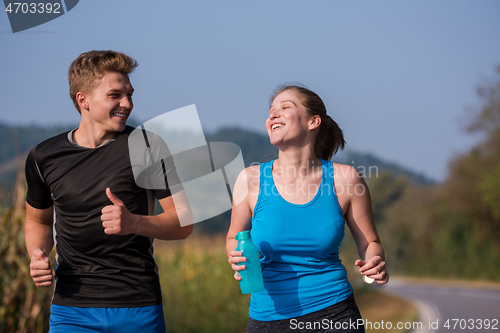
point(274, 114)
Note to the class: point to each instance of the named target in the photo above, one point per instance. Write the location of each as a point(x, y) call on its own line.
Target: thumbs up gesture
point(40, 269)
point(116, 218)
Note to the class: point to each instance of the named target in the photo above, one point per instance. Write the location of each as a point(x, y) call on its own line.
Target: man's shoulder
point(44, 150)
point(53, 143)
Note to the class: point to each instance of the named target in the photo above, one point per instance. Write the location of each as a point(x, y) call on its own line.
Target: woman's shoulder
point(247, 186)
point(345, 173)
point(250, 172)
point(248, 176)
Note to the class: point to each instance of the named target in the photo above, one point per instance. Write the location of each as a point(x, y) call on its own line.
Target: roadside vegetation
point(452, 230)
point(448, 231)
point(23, 307)
point(200, 294)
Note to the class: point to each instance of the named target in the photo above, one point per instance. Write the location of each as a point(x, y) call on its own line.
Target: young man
point(82, 195)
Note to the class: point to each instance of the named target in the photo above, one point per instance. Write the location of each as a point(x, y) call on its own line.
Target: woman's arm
point(359, 218)
point(241, 216)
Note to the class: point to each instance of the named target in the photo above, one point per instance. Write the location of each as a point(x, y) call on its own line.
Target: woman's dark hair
point(330, 137)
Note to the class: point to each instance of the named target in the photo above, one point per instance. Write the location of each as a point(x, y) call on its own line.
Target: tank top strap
point(269, 193)
point(266, 176)
point(265, 183)
point(330, 172)
point(266, 171)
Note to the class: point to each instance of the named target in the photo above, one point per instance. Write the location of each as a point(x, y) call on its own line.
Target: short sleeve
point(165, 169)
point(38, 195)
point(152, 164)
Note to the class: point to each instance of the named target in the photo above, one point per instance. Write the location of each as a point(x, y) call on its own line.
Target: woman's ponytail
point(329, 139)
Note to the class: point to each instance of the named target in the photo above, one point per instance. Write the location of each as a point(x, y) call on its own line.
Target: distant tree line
point(451, 229)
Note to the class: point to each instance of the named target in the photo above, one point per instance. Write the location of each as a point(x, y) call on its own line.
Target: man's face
point(110, 104)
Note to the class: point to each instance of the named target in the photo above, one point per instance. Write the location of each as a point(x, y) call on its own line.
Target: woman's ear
point(314, 122)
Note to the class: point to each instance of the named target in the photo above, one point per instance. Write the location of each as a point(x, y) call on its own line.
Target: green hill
point(18, 140)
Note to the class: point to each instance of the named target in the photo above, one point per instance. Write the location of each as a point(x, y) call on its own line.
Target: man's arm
point(39, 243)
point(119, 221)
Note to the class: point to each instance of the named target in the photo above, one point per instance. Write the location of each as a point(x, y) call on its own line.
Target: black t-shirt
point(93, 269)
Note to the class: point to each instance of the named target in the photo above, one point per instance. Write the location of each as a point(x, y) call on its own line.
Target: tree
point(454, 228)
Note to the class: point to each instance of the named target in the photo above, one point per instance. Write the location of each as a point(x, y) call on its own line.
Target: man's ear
point(82, 101)
point(314, 122)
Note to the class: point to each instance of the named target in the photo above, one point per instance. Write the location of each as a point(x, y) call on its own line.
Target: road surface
point(445, 308)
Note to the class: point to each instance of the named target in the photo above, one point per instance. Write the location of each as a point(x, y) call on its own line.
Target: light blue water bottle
point(251, 277)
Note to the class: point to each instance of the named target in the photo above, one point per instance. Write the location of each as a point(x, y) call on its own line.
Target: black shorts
point(341, 317)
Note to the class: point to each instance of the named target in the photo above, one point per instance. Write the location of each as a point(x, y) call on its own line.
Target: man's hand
point(116, 218)
point(40, 269)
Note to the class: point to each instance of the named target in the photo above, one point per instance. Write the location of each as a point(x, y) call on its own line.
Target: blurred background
point(415, 86)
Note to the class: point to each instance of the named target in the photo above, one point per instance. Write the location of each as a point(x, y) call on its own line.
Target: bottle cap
point(368, 280)
point(242, 235)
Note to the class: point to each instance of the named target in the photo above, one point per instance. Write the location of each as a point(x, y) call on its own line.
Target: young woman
point(296, 207)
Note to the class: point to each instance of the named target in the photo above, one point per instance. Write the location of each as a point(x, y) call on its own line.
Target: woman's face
point(288, 119)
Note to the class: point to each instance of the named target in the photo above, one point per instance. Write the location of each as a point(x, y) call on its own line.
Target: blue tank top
point(299, 243)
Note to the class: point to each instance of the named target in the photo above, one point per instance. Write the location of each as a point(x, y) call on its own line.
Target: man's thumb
point(113, 198)
point(39, 254)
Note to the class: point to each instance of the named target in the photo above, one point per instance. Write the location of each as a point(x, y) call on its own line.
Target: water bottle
point(251, 277)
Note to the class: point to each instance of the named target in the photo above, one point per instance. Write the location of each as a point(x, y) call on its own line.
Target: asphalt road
point(449, 308)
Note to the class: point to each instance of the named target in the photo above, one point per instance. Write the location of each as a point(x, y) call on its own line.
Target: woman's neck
point(303, 161)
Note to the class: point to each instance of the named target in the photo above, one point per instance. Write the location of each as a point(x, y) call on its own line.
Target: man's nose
point(126, 102)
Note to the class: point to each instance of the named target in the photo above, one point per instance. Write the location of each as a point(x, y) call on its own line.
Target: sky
point(398, 76)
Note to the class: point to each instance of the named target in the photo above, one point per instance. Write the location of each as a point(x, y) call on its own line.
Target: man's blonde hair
point(91, 66)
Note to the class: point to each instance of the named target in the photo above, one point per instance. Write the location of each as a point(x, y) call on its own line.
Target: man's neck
point(90, 136)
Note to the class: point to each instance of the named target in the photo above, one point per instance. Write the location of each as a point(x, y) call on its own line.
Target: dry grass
point(200, 294)
point(23, 307)
point(199, 291)
point(376, 307)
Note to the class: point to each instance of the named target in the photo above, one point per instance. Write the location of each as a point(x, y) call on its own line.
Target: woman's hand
point(374, 269)
point(234, 258)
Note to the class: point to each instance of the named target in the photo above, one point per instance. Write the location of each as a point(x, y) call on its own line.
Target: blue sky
point(396, 75)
